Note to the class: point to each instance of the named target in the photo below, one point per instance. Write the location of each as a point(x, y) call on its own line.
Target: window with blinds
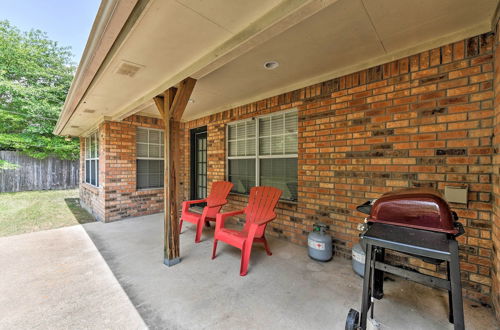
point(92, 159)
point(150, 149)
point(262, 151)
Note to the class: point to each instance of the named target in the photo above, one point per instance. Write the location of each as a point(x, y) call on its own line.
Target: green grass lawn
point(25, 212)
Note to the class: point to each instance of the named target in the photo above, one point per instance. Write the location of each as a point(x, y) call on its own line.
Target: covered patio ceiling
point(224, 45)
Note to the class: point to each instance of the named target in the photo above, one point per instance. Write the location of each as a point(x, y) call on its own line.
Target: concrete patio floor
point(58, 279)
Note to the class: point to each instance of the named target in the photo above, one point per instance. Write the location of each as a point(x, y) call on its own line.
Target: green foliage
point(35, 75)
point(5, 165)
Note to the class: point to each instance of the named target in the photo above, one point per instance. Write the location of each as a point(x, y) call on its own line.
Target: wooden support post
point(171, 106)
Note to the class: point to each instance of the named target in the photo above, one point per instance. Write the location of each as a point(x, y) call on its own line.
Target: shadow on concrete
point(80, 214)
point(133, 251)
point(201, 293)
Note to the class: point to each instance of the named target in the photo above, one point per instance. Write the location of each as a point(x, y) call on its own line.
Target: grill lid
point(420, 208)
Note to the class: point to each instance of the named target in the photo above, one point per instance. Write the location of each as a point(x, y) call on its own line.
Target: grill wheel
point(352, 320)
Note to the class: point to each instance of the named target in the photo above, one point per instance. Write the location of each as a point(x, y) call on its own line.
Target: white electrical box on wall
point(454, 194)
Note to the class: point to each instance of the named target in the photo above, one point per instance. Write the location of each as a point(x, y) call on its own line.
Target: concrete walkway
point(284, 291)
point(57, 279)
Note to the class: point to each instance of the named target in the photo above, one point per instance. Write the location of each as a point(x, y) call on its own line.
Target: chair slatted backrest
point(218, 193)
point(260, 209)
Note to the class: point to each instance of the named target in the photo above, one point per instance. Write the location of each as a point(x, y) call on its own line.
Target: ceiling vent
point(130, 69)
point(89, 111)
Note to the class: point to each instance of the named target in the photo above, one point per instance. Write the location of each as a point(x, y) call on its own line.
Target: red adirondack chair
point(215, 201)
point(259, 212)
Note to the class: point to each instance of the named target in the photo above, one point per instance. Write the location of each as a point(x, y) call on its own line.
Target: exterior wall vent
point(130, 69)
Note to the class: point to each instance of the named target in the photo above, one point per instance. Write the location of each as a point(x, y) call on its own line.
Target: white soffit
point(169, 36)
point(344, 37)
point(337, 36)
point(424, 20)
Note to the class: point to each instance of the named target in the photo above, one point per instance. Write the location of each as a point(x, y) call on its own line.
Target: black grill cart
point(441, 247)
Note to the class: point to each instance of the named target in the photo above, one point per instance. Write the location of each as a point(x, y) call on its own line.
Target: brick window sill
point(90, 187)
point(280, 202)
point(149, 190)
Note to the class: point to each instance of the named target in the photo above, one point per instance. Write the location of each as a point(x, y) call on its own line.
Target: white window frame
point(257, 156)
point(88, 156)
point(162, 150)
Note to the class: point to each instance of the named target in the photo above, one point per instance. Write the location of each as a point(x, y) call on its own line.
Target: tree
point(35, 76)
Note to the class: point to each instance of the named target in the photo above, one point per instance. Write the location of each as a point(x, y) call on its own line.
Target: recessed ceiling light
point(271, 65)
point(191, 100)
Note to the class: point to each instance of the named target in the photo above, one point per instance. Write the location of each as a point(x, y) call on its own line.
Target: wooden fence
point(36, 174)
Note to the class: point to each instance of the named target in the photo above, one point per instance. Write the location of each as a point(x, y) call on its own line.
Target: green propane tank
point(320, 244)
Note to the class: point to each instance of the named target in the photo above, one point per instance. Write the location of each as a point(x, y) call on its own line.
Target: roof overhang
point(139, 48)
point(109, 22)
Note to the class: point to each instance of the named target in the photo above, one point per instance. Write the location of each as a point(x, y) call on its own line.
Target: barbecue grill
point(415, 208)
point(417, 222)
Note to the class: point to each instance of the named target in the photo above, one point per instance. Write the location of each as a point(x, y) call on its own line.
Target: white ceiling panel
point(419, 21)
point(232, 15)
point(339, 38)
point(335, 37)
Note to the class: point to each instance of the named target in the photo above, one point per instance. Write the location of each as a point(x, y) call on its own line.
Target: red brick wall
point(421, 121)
point(495, 296)
point(122, 199)
point(91, 198)
point(117, 196)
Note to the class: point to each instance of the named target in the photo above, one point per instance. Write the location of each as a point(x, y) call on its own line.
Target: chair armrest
point(217, 203)
point(220, 217)
point(195, 201)
point(265, 220)
point(186, 204)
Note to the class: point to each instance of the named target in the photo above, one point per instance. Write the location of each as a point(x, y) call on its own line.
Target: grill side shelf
point(409, 240)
